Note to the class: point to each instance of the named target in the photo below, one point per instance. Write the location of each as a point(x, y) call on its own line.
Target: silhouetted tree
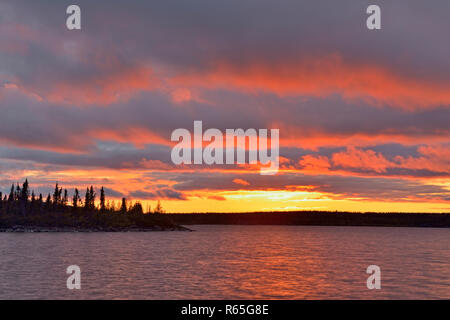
point(48, 202)
point(40, 204)
point(25, 192)
point(17, 193)
point(11, 194)
point(33, 206)
point(57, 198)
point(87, 199)
point(123, 207)
point(92, 197)
point(65, 199)
point(159, 208)
point(23, 195)
point(137, 209)
point(76, 200)
point(102, 200)
point(89, 202)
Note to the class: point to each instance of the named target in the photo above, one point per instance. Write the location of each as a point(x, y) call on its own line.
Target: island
point(23, 211)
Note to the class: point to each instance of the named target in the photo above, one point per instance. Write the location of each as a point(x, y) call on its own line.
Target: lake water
point(229, 262)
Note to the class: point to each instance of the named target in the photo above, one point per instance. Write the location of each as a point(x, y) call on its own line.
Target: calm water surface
point(229, 262)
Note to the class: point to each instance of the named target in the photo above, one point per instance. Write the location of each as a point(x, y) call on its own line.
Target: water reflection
point(229, 262)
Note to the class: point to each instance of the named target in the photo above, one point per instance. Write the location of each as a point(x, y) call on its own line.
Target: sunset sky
point(364, 116)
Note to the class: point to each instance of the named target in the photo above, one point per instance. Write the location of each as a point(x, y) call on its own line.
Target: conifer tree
point(159, 208)
point(48, 202)
point(65, 199)
point(76, 199)
point(25, 192)
point(102, 200)
point(11, 194)
point(123, 207)
point(87, 199)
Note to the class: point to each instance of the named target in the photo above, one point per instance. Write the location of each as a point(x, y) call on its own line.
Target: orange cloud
point(314, 138)
point(241, 182)
point(320, 77)
point(361, 159)
point(181, 95)
point(435, 158)
point(217, 198)
point(138, 136)
point(109, 80)
point(103, 89)
point(315, 164)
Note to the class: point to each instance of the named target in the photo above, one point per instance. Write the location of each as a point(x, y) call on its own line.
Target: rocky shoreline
point(38, 229)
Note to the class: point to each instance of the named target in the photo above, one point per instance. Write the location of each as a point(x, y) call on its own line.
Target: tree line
point(22, 201)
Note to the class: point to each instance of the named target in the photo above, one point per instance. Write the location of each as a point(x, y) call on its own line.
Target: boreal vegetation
point(23, 208)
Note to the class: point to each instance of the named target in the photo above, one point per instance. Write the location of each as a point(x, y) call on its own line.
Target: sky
point(363, 114)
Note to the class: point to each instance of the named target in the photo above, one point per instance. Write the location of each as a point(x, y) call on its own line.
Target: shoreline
point(179, 221)
point(39, 229)
point(316, 218)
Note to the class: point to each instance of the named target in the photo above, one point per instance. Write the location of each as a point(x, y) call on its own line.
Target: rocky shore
point(37, 229)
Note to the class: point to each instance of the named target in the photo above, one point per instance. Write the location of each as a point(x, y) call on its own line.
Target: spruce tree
point(102, 200)
point(11, 194)
point(87, 199)
point(76, 199)
point(123, 207)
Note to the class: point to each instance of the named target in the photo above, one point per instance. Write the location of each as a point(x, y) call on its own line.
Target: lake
point(229, 262)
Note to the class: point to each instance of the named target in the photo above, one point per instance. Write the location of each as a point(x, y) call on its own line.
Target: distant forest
point(23, 207)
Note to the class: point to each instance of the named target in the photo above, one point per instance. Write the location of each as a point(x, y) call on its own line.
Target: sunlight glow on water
point(229, 262)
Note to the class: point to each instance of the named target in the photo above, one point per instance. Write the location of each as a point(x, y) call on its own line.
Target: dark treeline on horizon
point(23, 206)
point(316, 218)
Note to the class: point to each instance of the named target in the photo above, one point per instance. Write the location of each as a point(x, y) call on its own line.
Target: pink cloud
point(321, 77)
point(361, 159)
point(241, 182)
